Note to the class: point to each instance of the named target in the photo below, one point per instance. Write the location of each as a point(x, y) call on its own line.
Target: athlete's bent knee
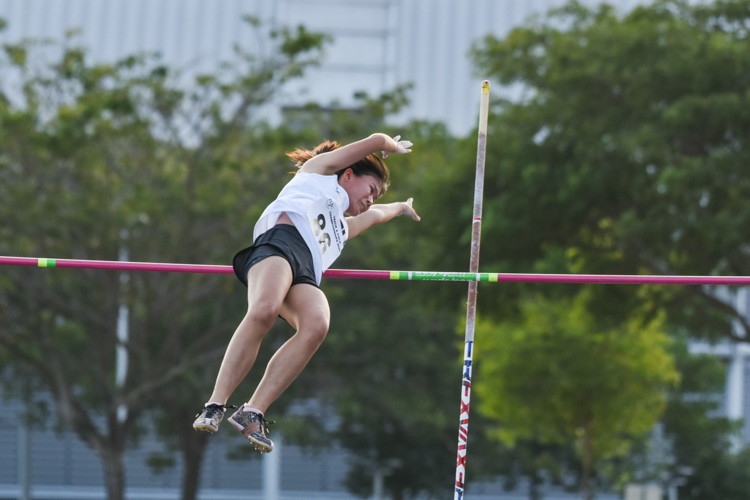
point(315, 331)
point(262, 314)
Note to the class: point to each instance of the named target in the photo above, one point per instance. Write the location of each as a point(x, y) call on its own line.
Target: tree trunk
point(114, 474)
point(194, 448)
point(109, 446)
point(587, 461)
point(534, 482)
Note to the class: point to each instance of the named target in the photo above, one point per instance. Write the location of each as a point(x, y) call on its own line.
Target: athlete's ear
point(347, 175)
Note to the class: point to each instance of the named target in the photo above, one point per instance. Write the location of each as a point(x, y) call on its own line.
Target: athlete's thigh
point(305, 302)
point(268, 281)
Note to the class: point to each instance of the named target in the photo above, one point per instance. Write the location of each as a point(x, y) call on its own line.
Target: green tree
point(703, 461)
point(627, 151)
point(558, 375)
point(98, 158)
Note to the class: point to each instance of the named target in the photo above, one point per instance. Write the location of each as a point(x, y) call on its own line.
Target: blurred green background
point(622, 150)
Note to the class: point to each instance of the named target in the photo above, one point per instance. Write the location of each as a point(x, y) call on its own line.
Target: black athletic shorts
point(285, 241)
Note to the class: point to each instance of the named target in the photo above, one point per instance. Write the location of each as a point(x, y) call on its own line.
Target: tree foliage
point(627, 150)
point(560, 376)
point(625, 154)
point(99, 159)
point(111, 158)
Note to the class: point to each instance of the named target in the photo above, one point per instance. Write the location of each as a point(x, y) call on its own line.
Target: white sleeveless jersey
point(315, 204)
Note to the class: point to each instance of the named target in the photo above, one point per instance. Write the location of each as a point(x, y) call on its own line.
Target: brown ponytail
point(300, 156)
point(369, 165)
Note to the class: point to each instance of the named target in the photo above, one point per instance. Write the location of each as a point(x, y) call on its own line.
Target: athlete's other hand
point(400, 147)
point(409, 210)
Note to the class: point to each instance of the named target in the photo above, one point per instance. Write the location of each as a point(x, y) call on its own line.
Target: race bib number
point(329, 229)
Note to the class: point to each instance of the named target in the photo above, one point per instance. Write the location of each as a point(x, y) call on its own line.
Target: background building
point(377, 44)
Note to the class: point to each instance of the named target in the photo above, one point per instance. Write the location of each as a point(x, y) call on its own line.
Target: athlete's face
point(362, 191)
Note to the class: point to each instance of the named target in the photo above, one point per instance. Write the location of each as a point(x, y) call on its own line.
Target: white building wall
point(378, 43)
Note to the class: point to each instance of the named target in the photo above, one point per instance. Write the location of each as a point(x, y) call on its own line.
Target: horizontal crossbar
point(391, 275)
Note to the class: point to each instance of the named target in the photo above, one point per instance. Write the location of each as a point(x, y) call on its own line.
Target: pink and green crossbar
point(622, 279)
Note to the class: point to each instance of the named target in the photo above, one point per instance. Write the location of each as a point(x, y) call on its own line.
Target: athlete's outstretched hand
point(401, 147)
point(409, 210)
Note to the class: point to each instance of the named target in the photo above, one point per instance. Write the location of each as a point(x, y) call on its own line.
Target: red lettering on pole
point(464, 408)
point(467, 388)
